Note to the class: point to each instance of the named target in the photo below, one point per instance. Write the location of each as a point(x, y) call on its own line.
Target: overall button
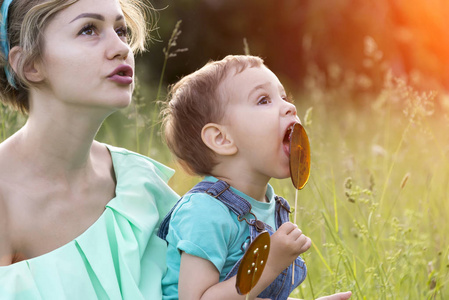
point(259, 225)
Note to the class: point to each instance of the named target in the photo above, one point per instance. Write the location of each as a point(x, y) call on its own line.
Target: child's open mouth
point(286, 140)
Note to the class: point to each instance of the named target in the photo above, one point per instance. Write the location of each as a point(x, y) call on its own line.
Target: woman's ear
point(218, 140)
point(32, 71)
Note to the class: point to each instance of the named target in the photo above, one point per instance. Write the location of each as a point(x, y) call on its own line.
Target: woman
point(77, 217)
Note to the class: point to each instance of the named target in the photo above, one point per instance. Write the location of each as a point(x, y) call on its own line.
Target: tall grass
point(376, 205)
point(10, 121)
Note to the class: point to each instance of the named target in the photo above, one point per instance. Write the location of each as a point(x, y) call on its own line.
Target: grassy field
point(376, 205)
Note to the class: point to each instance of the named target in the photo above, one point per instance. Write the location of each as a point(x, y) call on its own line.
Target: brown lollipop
point(253, 263)
point(299, 164)
point(299, 156)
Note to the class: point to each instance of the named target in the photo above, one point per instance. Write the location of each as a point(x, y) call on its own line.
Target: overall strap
point(241, 207)
point(282, 211)
point(219, 190)
point(163, 228)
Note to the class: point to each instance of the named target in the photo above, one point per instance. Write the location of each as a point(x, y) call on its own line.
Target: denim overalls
point(282, 286)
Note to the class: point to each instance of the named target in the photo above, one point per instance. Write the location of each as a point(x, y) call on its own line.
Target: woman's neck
point(57, 143)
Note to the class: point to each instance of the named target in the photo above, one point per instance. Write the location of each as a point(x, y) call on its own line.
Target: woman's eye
point(122, 32)
point(263, 100)
point(89, 29)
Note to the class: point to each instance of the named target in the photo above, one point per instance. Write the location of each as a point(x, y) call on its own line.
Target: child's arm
point(199, 278)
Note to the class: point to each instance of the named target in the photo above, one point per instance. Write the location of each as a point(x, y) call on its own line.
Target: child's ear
point(218, 140)
point(32, 71)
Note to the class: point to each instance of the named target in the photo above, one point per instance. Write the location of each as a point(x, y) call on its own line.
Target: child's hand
point(286, 244)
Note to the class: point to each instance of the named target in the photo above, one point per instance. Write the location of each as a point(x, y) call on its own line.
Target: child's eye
point(263, 100)
point(122, 31)
point(88, 29)
point(287, 98)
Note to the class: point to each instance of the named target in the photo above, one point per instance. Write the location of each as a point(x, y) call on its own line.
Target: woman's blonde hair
point(194, 102)
point(26, 23)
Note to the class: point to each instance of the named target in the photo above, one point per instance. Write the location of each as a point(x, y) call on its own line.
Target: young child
point(230, 121)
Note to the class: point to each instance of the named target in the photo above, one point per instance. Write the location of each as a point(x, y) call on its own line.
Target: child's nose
point(289, 108)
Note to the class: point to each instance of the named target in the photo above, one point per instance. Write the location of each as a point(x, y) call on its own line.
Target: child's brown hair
point(194, 102)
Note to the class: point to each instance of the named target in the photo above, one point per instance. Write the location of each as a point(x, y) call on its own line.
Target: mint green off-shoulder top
point(117, 257)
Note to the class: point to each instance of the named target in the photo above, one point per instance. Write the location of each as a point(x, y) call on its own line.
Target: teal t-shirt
point(118, 257)
point(203, 226)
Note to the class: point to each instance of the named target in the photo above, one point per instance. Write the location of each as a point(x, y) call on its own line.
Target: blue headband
point(4, 39)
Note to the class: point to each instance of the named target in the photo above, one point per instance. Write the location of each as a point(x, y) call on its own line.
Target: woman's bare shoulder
point(5, 241)
point(5, 236)
point(7, 157)
point(11, 165)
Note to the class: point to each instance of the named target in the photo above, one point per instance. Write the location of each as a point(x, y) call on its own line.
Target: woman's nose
point(117, 47)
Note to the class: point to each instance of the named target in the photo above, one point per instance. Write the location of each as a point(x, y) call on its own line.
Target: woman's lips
point(123, 74)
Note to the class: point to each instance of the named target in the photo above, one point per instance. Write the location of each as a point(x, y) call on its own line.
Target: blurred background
point(338, 39)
